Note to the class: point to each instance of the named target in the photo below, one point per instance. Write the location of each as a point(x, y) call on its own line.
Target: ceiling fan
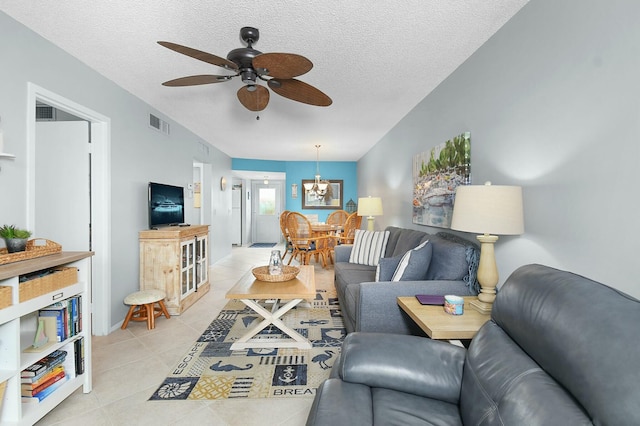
point(276, 69)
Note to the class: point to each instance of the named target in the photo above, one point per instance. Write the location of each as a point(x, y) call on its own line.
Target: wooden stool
point(143, 309)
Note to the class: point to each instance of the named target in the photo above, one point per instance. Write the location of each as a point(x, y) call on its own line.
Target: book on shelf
point(33, 382)
point(60, 314)
point(45, 392)
point(68, 313)
point(78, 347)
point(32, 391)
point(43, 365)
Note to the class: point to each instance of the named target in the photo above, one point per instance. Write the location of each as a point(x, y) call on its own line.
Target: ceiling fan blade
point(282, 65)
point(255, 100)
point(299, 91)
point(194, 80)
point(199, 55)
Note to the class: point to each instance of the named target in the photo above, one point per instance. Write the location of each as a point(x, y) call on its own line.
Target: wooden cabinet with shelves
point(175, 259)
point(18, 324)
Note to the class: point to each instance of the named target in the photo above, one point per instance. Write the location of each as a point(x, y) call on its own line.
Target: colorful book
point(32, 392)
point(74, 316)
point(60, 314)
point(30, 383)
point(44, 364)
point(46, 392)
point(79, 313)
point(32, 379)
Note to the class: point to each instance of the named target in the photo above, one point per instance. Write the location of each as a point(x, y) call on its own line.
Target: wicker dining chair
point(348, 234)
point(339, 217)
point(304, 242)
point(288, 249)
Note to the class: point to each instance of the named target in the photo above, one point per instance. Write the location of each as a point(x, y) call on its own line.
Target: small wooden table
point(440, 325)
point(250, 290)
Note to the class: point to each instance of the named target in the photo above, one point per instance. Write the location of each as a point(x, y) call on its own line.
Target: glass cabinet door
point(201, 260)
point(187, 280)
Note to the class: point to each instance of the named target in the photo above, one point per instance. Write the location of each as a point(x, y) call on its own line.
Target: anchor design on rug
point(288, 375)
point(322, 359)
point(229, 367)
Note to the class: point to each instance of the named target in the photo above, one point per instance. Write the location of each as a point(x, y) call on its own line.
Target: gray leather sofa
point(559, 349)
point(367, 305)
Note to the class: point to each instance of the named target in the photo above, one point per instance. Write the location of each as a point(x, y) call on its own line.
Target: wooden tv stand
point(175, 259)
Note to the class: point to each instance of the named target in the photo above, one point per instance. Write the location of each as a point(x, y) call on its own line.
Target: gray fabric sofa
point(560, 349)
point(367, 305)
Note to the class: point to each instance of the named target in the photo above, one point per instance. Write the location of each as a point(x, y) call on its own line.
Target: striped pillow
point(368, 247)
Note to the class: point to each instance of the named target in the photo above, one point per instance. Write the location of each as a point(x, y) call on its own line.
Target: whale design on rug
point(229, 367)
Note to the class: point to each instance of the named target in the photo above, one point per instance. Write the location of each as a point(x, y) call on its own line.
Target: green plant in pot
point(14, 238)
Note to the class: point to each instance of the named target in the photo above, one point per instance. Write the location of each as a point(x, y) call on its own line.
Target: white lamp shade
point(488, 209)
point(370, 206)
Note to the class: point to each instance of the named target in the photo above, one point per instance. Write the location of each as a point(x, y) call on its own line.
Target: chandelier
point(318, 187)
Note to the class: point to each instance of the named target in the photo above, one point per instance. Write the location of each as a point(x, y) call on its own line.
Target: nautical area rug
point(211, 370)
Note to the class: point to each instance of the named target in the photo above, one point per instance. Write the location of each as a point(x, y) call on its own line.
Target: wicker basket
point(5, 296)
point(62, 277)
point(35, 248)
point(288, 273)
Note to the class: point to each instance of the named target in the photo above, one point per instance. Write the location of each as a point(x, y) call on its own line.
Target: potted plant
point(14, 238)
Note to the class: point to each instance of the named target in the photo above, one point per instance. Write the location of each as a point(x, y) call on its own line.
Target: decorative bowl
point(288, 273)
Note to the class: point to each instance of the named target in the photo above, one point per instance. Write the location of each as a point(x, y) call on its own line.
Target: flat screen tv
point(166, 205)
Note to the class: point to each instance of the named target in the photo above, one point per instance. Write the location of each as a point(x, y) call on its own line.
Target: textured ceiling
point(376, 60)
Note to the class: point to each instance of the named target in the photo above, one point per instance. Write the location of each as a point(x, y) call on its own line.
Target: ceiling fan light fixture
point(278, 70)
point(248, 76)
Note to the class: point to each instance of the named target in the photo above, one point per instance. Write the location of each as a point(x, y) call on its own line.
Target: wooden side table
point(439, 325)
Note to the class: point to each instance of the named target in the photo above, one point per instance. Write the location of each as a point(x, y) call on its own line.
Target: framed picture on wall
point(436, 174)
point(331, 200)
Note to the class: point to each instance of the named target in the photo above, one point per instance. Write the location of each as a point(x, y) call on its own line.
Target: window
point(267, 197)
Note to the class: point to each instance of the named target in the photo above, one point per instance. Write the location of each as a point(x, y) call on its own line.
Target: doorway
point(97, 181)
point(62, 188)
point(267, 204)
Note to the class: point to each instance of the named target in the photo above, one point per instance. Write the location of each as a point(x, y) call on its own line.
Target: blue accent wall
point(296, 171)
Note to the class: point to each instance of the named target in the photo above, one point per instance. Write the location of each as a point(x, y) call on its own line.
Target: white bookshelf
point(17, 330)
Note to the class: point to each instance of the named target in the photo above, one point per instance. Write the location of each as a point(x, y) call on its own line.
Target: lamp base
point(370, 220)
point(482, 307)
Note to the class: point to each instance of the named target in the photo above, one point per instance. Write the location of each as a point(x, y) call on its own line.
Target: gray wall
point(552, 102)
point(139, 154)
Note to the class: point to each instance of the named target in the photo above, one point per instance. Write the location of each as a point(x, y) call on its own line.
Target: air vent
point(45, 113)
point(158, 124)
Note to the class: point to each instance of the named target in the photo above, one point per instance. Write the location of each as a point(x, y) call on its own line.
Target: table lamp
point(488, 209)
point(370, 207)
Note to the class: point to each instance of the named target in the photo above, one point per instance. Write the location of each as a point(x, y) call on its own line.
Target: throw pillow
point(386, 267)
point(368, 247)
point(414, 264)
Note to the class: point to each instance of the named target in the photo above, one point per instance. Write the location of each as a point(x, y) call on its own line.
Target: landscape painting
point(436, 174)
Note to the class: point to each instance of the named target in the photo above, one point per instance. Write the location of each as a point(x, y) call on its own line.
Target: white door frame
point(100, 194)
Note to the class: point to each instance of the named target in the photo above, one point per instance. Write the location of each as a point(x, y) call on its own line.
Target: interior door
point(267, 205)
point(62, 184)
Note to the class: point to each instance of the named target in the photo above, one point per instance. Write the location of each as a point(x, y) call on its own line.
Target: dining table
point(320, 229)
point(325, 229)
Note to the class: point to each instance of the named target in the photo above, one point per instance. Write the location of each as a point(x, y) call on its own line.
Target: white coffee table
point(250, 291)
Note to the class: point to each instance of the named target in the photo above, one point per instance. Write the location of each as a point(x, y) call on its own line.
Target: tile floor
point(128, 366)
